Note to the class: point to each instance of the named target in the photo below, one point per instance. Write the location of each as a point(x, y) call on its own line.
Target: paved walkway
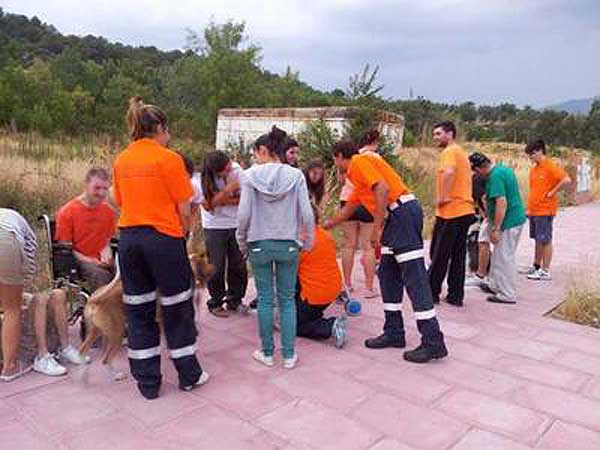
point(514, 380)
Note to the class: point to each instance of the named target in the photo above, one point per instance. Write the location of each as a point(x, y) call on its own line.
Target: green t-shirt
point(502, 182)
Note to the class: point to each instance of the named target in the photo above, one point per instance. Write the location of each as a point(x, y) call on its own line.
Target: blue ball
point(353, 307)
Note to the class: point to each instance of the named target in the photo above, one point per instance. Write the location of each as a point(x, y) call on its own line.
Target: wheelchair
point(64, 274)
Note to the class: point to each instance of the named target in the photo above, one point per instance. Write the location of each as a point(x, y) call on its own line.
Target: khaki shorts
point(11, 259)
point(484, 231)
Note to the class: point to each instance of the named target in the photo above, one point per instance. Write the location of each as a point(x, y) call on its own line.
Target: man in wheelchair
point(88, 223)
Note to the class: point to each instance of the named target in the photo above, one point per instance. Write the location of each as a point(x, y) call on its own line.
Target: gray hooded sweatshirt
point(274, 204)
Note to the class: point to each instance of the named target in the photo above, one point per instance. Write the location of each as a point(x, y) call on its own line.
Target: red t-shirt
point(88, 228)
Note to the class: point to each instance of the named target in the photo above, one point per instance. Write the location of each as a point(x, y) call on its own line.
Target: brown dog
point(105, 316)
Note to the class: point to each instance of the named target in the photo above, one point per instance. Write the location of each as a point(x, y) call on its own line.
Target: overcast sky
point(536, 52)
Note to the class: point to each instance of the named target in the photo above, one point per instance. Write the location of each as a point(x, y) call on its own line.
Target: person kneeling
point(319, 284)
point(45, 362)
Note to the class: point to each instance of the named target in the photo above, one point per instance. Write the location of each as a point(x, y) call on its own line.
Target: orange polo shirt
point(88, 228)
point(543, 177)
point(318, 271)
point(461, 193)
point(365, 171)
point(149, 181)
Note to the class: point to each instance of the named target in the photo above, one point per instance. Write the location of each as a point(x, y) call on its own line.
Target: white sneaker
point(474, 281)
point(540, 275)
point(48, 366)
point(339, 331)
point(290, 363)
point(545, 275)
point(259, 356)
point(529, 270)
point(204, 377)
point(72, 355)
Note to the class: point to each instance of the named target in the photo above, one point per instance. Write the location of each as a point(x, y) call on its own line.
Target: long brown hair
point(316, 190)
point(214, 162)
point(143, 120)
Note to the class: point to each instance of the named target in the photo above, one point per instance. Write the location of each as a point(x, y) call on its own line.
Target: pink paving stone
point(7, 411)
point(541, 372)
point(494, 415)
point(171, 404)
point(467, 375)
point(592, 389)
point(460, 330)
point(306, 424)
point(484, 440)
point(472, 353)
point(565, 436)
point(16, 435)
point(505, 335)
point(332, 390)
point(117, 432)
point(29, 381)
point(62, 407)
point(579, 361)
point(581, 343)
point(334, 360)
point(389, 444)
point(248, 395)
point(210, 427)
point(564, 405)
point(522, 347)
point(417, 426)
point(407, 382)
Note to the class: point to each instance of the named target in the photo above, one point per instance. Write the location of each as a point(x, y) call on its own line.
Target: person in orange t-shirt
point(381, 190)
point(319, 284)
point(154, 190)
point(455, 212)
point(88, 222)
point(545, 180)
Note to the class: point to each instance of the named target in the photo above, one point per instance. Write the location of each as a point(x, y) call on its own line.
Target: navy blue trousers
point(151, 262)
point(403, 266)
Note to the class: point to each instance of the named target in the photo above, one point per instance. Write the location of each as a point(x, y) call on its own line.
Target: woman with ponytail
point(218, 187)
point(153, 190)
point(274, 208)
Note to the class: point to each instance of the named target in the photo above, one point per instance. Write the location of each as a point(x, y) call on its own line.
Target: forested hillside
point(56, 84)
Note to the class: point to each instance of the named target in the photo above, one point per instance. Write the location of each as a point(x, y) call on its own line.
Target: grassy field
point(41, 174)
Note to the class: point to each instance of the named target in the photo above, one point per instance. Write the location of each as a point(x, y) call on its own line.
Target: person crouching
point(319, 284)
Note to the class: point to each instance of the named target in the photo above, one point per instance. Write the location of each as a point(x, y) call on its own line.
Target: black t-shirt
point(479, 191)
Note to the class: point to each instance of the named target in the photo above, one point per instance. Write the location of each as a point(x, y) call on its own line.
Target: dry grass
point(40, 174)
point(582, 304)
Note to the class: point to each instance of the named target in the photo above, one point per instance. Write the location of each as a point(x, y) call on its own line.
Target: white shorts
point(484, 232)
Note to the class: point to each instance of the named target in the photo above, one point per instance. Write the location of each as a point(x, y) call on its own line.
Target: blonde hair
point(143, 120)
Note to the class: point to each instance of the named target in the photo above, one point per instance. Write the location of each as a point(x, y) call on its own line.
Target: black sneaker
point(453, 302)
point(486, 288)
point(382, 341)
point(496, 299)
point(423, 354)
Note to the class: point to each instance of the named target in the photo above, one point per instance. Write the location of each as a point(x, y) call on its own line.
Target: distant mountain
point(580, 106)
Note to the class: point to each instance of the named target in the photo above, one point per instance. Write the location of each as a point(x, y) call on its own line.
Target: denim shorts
point(540, 228)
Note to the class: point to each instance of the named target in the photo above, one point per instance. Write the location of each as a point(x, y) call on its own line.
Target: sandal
point(219, 311)
point(21, 370)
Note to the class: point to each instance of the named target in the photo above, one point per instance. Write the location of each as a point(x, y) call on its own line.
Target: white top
point(222, 217)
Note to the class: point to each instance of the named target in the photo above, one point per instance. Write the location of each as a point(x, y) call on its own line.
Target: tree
point(362, 86)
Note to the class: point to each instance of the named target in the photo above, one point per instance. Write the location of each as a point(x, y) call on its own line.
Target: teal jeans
point(276, 262)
